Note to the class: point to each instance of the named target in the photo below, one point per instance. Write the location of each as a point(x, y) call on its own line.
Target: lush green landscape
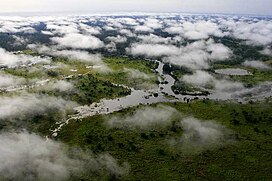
point(247, 157)
point(135, 97)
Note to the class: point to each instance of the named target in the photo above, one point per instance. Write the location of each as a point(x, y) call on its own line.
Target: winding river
point(164, 93)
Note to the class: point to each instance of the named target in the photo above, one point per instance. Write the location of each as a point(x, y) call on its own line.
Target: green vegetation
point(87, 89)
point(92, 89)
point(120, 76)
point(180, 87)
point(257, 75)
point(151, 157)
point(241, 51)
point(27, 72)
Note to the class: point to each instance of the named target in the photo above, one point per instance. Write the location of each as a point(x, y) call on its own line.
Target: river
point(164, 93)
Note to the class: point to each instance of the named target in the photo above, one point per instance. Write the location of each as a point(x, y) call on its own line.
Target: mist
point(25, 156)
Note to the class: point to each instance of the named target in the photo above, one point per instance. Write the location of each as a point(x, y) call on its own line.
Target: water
point(137, 97)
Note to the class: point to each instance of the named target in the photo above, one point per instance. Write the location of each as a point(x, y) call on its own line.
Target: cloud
point(218, 51)
point(111, 47)
point(11, 60)
point(228, 86)
point(79, 55)
point(136, 74)
point(47, 33)
point(140, 79)
point(198, 54)
point(27, 157)
point(19, 40)
point(153, 50)
point(28, 105)
point(174, 30)
point(227, 89)
point(117, 39)
point(201, 135)
point(256, 64)
point(66, 28)
point(199, 78)
point(90, 30)
point(260, 91)
point(15, 26)
point(59, 85)
point(76, 40)
point(201, 30)
point(128, 21)
point(258, 33)
point(193, 59)
point(151, 38)
point(143, 28)
point(205, 80)
point(9, 81)
point(153, 23)
point(267, 51)
point(144, 118)
point(127, 32)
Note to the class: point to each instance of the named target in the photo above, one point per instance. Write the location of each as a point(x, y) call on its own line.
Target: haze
point(257, 7)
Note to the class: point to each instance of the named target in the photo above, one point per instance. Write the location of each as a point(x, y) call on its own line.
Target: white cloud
point(136, 74)
point(27, 105)
point(199, 78)
point(19, 40)
point(89, 29)
point(127, 32)
point(260, 91)
point(153, 49)
point(197, 55)
point(66, 28)
point(71, 54)
point(14, 26)
point(219, 51)
point(204, 79)
point(143, 28)
point(111, 47)
point(9, 81)
point(117, 39)
point(28, 157)
point(193, 59)
point(76, 40)
point(201, 134)
point(151, 38)
point(267, 51)
point(153, 23)
point(11, 60)
point(256, 64)
point(258, 33)
point(60, 85)
point(144, 118)
point(201, 30)
point(174, 30)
